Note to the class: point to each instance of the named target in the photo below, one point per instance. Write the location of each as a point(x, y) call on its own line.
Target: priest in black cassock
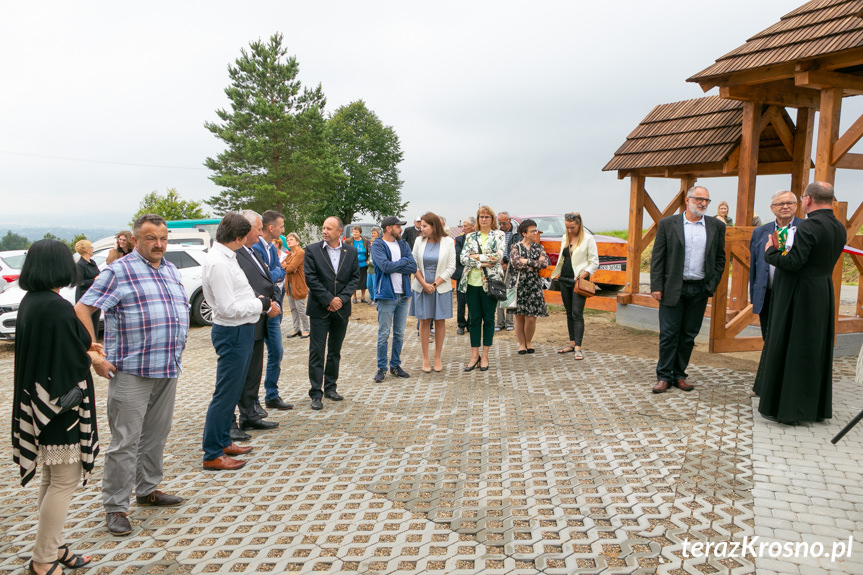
point(795, 378)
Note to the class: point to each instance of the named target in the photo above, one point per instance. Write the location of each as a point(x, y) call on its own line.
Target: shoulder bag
point(585, 288)
point(496, 287)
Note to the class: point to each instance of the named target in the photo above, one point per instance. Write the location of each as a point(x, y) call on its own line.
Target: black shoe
point(522, 352)
point(237, 435)
point(460, 331)
point(334, 395)
point(380, 375)
point(399, 372)
point(481, 368)
point(258, 424)
point(278, 404)
point(118, 523)
point(260, 410)
point(317, 404)
point(471, 367)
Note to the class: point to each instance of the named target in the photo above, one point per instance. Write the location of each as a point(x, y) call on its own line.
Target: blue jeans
point(370, 285)
point(275, 350)
point(392, 314)
point(234, 348)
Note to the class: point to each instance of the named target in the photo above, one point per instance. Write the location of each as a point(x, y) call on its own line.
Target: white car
point(187, 260)
point(10, 264)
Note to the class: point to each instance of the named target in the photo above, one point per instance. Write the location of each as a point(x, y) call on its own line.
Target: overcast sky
point(517, 105)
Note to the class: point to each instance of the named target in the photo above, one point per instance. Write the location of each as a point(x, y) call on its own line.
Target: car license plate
point(611, 267)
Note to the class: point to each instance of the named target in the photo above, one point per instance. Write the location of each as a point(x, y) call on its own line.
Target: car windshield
point(550, 226)
point(14, 262)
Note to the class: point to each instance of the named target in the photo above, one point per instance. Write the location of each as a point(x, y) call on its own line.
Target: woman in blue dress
point(434, 252)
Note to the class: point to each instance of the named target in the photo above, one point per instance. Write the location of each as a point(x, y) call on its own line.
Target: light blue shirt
point(694, 247)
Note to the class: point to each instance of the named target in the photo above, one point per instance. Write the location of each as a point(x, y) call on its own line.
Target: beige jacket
point(584, 258)
point(445, 264)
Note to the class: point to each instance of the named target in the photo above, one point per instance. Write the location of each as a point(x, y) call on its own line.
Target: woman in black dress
point(87, 272)
point(526, 258)
point(53, 416)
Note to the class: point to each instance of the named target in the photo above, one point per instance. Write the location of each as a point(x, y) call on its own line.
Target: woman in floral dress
point(526, 258)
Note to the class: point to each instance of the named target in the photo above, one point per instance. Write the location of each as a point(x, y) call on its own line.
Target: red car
point(610, 276)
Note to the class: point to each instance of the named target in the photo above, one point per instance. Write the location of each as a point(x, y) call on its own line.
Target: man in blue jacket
point(273, 227)
point(394, 262)
point(783, 205)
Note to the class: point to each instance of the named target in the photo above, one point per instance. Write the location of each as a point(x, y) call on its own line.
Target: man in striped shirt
point(146, 324)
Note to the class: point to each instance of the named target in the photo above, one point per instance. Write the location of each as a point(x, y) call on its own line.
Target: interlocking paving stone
point(539, 465)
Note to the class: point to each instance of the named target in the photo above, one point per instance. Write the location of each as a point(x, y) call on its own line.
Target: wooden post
point(636, 246)
point(840, 210)
point(749, 144)
point(802, 157)
point(828, 132)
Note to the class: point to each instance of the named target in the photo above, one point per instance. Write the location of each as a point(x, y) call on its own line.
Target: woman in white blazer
point(434, 252)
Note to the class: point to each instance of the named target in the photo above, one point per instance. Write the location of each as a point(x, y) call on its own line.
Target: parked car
point(187, 260)
point(366, 233)
point(10, 264)
point(611, 275)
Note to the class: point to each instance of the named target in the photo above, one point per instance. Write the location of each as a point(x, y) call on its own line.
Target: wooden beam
point(749, 143)
point(650, 206)
point(850, 162)
point(775, 168)
point(635, 246)
point(737, 345)
point(851, 136)
point(750, 77)
point(801, 159)
point(783, 95)
point(828, 131)
point(739, 322)
point(733, 161)
point(777, 120)
point(822, 79)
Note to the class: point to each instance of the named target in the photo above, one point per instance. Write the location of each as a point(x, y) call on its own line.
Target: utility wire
point(84, 160)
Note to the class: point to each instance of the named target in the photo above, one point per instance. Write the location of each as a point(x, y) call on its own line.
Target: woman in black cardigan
point(53, 415)
point(88, 271)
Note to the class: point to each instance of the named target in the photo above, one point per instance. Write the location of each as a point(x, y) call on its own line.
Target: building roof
point(816, 29)
point(699, 131)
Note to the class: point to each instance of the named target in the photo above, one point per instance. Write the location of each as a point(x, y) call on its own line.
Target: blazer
point(585, 257)
point(459, 267)
point(325, 283)
point(759, 269)
point(666, 262)
point(260, 281)
point(445, 264)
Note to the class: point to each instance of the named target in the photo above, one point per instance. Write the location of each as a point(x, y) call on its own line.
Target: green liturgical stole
point(782, 234)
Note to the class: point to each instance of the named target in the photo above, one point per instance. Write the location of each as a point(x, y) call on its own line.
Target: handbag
point(585, 288)
point(496, 287)
point(511, 295)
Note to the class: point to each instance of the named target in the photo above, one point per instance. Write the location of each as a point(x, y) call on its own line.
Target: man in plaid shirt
point(146, 323)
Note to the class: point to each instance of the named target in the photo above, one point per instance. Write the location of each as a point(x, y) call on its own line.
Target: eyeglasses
point(572, 217)
point(704, 201)
point(783, 204)
point(483, 217)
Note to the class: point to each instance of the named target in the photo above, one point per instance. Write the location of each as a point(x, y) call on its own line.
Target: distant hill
point(34, 233)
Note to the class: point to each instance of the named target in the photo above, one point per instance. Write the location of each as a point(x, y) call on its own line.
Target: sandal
point(578, 354)
point(54, 567)
point(71, 560)
point(567, 349)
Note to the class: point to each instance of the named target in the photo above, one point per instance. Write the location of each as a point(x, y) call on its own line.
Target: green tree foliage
point(13, 241)
point(277, 155)
point(169, 206)
point(369, 154)
point(50, 236)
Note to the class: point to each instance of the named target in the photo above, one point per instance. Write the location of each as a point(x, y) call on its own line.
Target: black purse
point(496, 288)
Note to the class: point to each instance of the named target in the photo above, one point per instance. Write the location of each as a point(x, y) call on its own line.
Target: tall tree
point(369, 154)
point(277, 154)
point(13, 241)
point(169, 206)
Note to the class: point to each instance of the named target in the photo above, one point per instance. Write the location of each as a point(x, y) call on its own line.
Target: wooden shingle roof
point(700, 131)
point(816, 29)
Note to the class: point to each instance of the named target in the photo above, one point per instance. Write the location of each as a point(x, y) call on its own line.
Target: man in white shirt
point(236, 310)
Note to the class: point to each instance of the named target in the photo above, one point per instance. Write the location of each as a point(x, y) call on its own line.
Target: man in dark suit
point(467, 226)
point(783, 205)
point(251, 412)
point(685, 268)
point(332, 274)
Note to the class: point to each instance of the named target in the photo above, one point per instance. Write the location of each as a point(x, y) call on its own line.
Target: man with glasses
point(783, 205)
point(686, 265)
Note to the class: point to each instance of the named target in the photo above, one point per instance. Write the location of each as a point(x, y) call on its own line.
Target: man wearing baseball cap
point(394, 263)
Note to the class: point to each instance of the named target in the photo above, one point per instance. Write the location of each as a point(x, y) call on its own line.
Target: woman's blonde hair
point(81, 246)
point(720, 204)
point(488, 211)
point(574, 217)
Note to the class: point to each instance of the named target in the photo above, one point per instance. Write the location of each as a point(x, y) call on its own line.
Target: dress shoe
point(399, 372)
point(661, 386)
point(295, 334)
point(460, 331)
point(305, 335)
point(317, 404)
point(234, 449)
point(334, 395)
point(223, 463)
point(258, 424)
point(380, 375)
point(481, 368)
point(118, 523)
point(472, 366)
point(522, 352)
point(237, 435)
point(159, 499)
point(260, 410)
point(278, 404)
point(531, 350)
point(683, 385)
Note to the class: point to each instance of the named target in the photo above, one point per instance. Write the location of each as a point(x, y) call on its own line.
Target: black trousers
point(574, 305)
point(252, 386)
point(461, 307)
point(326, 333)
point(764, 314)
point(678, 326)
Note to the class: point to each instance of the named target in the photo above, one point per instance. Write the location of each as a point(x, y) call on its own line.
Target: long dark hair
point(48, 265)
